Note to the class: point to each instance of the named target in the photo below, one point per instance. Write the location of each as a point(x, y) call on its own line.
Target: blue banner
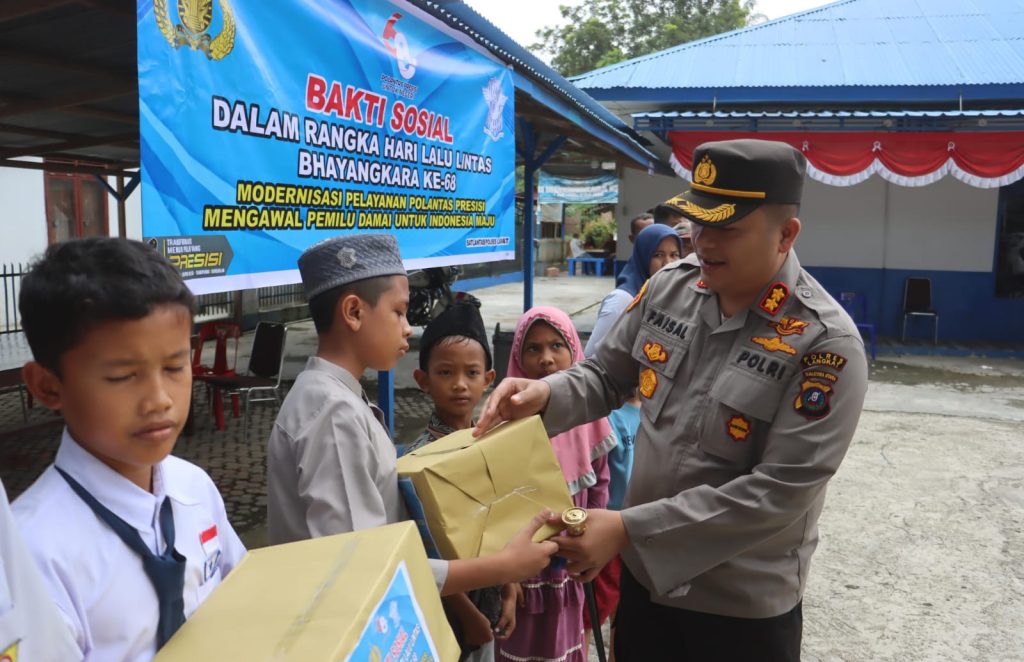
point(396, 631)
point(596, 190)
point(266, 127)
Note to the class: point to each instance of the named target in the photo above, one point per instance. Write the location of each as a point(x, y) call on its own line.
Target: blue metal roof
point(541, 82)
point(876, 44)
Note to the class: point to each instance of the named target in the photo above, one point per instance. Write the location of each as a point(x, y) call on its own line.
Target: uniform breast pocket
point(741, 410)
point(659, 356)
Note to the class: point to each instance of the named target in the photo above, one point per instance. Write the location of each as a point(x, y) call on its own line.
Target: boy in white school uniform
point(31, 628)
point(129, 539)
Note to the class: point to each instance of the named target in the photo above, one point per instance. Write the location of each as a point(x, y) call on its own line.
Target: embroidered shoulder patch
point(639, 295)
point(824, 360)
point(738, 428)
point(648, 382)
point(813, 400)
point(777, 295)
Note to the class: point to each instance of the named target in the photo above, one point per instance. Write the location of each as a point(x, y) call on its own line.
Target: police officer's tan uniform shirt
point(743, 423)
point(330, 462)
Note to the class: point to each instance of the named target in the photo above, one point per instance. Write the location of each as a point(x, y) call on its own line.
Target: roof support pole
point(531, 164)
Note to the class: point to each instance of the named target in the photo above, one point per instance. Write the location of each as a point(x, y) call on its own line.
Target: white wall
point(843, 227)
point(638, 192)
point(22, 215)
point(132, 211)
point(947, 226)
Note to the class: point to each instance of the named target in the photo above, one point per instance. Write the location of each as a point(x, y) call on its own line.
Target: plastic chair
point(856, 306)
point(262, 382)
point(917, 302)
point(224, 333)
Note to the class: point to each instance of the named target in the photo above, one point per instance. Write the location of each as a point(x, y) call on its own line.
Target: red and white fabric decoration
point(988, 159)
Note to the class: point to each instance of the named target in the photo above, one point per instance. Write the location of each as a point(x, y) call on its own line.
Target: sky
point(521, 19)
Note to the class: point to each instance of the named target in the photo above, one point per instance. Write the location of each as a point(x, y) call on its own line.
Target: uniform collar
point(123, 497)
point(777, 296)
point(336, 371)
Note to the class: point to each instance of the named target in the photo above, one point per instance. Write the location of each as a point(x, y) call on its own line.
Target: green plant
point(597, 233)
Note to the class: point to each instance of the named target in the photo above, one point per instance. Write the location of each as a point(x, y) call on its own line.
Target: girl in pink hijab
point(549, 620)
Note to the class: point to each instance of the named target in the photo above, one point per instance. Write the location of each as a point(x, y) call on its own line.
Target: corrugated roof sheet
point(846, 43)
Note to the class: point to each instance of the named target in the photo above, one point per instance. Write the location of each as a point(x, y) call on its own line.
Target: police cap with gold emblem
point(732, 178)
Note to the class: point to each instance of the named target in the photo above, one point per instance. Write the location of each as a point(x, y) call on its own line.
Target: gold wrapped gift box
point(470, 496)
point(359, 596)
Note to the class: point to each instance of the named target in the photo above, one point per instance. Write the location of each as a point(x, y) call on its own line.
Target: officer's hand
point(514, 398)
point(586, 554)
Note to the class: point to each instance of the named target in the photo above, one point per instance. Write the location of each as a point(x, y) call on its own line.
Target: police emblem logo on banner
point(196, 17)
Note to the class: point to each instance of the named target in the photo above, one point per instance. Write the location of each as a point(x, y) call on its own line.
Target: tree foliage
point(598, 33)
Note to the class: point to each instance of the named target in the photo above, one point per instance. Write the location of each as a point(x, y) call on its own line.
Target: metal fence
point(215, 306)
point(10, 283)
point(280, 296)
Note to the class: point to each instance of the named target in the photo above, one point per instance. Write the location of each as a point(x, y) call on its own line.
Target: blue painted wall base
point(965, 301)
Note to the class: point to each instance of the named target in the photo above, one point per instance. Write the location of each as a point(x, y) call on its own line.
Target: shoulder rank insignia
point(813, 400)
point(738, 428)
point(648, 382)
point(777, 295)
point(655, 353)
point(774, 344)
point(788, 326)
point(639, 295)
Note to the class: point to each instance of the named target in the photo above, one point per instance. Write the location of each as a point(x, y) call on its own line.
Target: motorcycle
point(430, 293)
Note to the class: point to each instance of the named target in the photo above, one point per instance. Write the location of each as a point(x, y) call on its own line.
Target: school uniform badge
point(813, 400)
point(777, 295)
point(648, 382)
point(210, 543)
point(738, 428)
point(655, 353)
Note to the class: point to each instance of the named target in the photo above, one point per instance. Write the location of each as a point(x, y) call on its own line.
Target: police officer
point(752, 380)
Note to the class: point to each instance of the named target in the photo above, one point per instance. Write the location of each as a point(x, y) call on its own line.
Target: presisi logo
point(396, 44)
point(201, 260)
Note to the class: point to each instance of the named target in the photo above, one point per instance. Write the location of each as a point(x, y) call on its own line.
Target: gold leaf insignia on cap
point(705, 172)
point(717, 214)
